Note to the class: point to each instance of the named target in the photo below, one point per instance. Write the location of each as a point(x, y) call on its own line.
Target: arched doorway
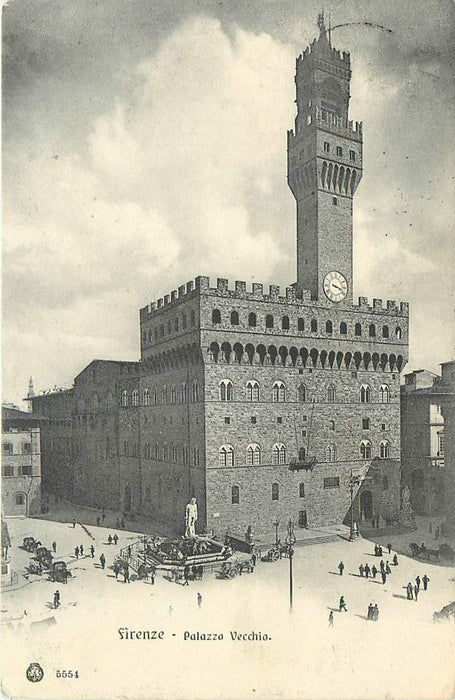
point(127, 499)
point(366, 505)
point(418, 491)
point(19, 505)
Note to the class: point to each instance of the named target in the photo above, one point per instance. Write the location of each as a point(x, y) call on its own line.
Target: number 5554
point(67, 674)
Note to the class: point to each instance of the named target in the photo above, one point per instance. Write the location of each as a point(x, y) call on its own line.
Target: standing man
point(199, 600)
point(76, 552)
point(409, 591)
point(102, 561)
point(342, 605)
point(54, 547)
point(374, 571)
point(389, 547)
point(361, 570)
point(126, 573)
point(416, 591)
point(331, 618)
point(186, 574)
point(115, 538)
point(367, 570)
point(81, 549)
point(425, 582)
point(56, 599)
point(74, 522)
point(418, 582)
point(98, 520)
point(383, 576)
point(341, 568)
point(92, 550)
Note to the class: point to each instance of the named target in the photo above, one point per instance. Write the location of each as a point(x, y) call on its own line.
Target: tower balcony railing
point(340, 124)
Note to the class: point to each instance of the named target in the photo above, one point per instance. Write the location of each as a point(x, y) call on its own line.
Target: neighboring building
point(422, 442)
point(21, 463)
point(260, 404)
point(446, 391)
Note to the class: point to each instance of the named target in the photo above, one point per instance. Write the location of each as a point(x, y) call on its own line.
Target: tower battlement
point(255, 292)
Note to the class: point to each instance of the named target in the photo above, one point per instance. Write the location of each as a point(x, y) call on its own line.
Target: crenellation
point(160, 303)
point(189, 287)
point(240, 288)
point(377, 304)
point(202, 283)
point(173, 295)
point(274, 291)
point(258, 289)
point(167, 299)
point(222, 284)
point(182, 289)
point(290, 294)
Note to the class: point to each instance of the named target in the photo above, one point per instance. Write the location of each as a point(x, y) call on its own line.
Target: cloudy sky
point(144, 143)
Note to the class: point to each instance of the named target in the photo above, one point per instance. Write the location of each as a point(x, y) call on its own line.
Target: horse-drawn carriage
point(421, 552)
point(60, 572)
point(278, 551)
point(233, 567)
point(30, 544)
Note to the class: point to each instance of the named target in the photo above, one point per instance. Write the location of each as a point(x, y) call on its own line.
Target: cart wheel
point(233, 572)
point(275, 555)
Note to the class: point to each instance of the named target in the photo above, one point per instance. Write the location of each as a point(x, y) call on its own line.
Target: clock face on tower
point(335, 286)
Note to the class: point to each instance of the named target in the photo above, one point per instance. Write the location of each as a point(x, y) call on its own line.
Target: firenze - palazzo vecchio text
point(259, 402)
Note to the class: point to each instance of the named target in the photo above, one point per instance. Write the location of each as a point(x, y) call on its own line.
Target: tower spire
point(31, 394)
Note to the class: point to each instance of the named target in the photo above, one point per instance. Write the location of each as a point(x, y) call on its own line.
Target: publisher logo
point(34, 673)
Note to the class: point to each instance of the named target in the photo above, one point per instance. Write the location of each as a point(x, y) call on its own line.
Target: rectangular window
point(300, 371)
point(339, 151)
point(303, 433)
point(335, 201)
point(365, 423)
point(227, 420)
point(383, 426)
point(26, 448)
point(26, 470)
point(332, 482)
point(326, 147)
point(352, 155)
point(440, 444)
point(253, 419)
point(279, 419)
point(8, 470)
point(354, 375)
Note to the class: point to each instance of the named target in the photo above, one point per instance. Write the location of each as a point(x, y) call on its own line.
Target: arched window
point(135, 398)
point(164, 394)
point(372, 330)
point(252, 320)
point(146, 397)
point(314, 325)
point(195, 392)
point(157, 451)
point(384, 393)
point(301, 490)
point(385, 483)
point(234, 318)
point(252, 390)
point(329, 327)
point(285, 323)
point(253, 454)
point(176, 324)
point(279, 392)
point(226, 390)
point(302, 392)
point(365, 449)
point(269, 321)
point(235, 495)
point(226, 456)
point(184, 393)
point(385, 331)
point(398, 332)
point(193, 317)
point(301, 324)
point(155, 397)
point(124, 398)
point(279, 453)
point(216, 316)
point(365, 393)
point(330, 453)
point(331, 394)
point(384, 449)
point(343, 328)
point(165, 453)
point(302, 454)
point(184, 321)
point(173, 394)
point(358, 329)
point(275, 492)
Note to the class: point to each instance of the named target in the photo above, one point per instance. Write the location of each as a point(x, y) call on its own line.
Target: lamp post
point(290, 541)
point(276, 525)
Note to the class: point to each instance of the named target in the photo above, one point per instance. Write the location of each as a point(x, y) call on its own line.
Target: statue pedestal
point(407, 516)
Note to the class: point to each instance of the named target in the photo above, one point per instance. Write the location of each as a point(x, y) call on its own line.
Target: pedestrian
point(331, 618)
point(367, 570)
point(409, 591)
point(54, 546)
point(201, 571)
point(416, 591)
point(129, 550)
point(370, 612)
point(194, 572)
point(199, 600)
point(74, 522)
point(361, 569)
point(98, 520)
point(115, 538)
point(425, 580)
point(171, 610)
point(186, 573)
point(92, 550)
point(116, 568)
point(341, 568)
point(103, 515)
point(383, 576)
point(102, 561)
point(389, 547)
point(382, 565)
point(418, 582)
point(374, 571)
point(379, 550)
point(81, 549)
point(126, 574)
point(395, 560)
point(342, 605)
point(388, 570)
point(76, 552)
point(109, 539)
point(375, 612)
point(56, 599)
point(152, 577)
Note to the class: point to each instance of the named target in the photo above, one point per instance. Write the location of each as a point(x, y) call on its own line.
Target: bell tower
point(324, 170)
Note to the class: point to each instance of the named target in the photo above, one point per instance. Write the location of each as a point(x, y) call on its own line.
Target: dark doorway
point(366, 505)
point(418, 492)
point(303, 519)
